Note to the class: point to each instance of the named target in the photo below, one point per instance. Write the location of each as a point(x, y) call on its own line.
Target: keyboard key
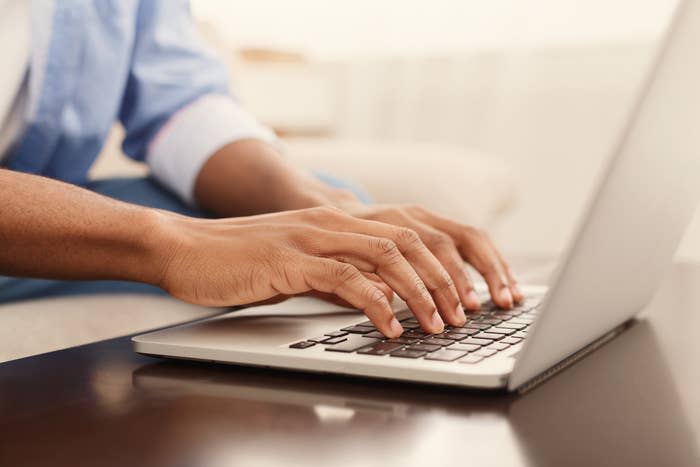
point(318, 339)
point(499, 330)
point(408, 353)
point(471, 359)
point(505, 315)
point(352, 343)
point(465, 347)
point(424, 347)
point(465, 331)
point(521, 320)
point(334, 340)
point(337, 334)
point(374, 335)
point(380, 348)
point(302, 345)
point(520, 334)
point(491, 321)
point(455, 336)
point(475, 341)
point(482, 352)
point(498, 346)
point(410, 325)
point(402, 340)
point(445, 355)
point(437, 340)
point(516, 326)
point(358, 329)
point(511, 340)
point(414, 333)
point(479, 326)
point(488, 335)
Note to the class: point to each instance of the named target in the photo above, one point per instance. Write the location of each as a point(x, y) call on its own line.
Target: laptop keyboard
point(486, 332)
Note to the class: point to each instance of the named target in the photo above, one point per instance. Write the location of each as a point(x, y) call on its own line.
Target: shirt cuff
point(193, 134)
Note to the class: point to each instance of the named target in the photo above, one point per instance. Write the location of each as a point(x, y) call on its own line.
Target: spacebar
point(353, 343)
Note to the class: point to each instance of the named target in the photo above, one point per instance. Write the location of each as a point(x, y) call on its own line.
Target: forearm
point(249, 177)
point(50, 229)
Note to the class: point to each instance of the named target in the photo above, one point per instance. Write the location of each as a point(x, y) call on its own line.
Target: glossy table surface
point(634, 402)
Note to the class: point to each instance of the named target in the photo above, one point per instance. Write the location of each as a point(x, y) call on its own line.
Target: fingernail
point(518, 292)
point(459, 315)
point(436, 322)
point(396, 328)
point(473, 302)
point(506, 297)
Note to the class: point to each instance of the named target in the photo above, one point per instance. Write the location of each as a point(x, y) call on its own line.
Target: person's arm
point(49, 229)
point(53, 230)
point(251, 177)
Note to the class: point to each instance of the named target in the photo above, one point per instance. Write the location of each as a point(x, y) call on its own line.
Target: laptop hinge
point(571, 359)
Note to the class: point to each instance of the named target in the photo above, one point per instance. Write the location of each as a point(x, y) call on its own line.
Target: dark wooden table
point(635, 402)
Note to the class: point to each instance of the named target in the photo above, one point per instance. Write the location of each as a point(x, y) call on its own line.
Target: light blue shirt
point(94, 62)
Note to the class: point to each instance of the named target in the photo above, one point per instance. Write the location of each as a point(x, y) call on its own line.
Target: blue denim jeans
point(142, 191)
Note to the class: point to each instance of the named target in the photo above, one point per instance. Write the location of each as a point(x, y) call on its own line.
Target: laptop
point(625, 242)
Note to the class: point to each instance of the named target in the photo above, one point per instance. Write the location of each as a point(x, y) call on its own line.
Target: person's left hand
point(452, 243)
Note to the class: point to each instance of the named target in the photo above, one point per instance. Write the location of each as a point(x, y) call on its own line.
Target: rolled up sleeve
point(193, 134)
point(177, 109)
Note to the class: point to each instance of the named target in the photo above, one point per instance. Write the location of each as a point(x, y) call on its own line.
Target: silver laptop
point(625, 242)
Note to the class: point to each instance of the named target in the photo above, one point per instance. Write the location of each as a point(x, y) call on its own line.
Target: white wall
point(332, 28)
point(543, 84)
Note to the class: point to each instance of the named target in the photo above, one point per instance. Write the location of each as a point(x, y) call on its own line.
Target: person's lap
point(142, 191)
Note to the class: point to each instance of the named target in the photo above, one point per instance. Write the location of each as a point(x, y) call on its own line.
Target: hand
point(452, 243)
point(249, 259)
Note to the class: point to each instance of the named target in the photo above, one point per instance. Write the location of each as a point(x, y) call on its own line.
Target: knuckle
point(344, 272)
point(471, 231)
point(387, 248)
point(439, 240)
point(408, 237)
point(447, 281)
point(321, 213)
point(374, 295)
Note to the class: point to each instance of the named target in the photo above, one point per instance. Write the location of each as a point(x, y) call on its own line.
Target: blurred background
point(498, 113)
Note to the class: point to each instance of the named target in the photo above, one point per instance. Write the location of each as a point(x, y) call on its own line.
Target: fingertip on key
point(459, 317)
point(518, 295)
point(436, 323)
point(472, 302)
point(506, 298)
point(395, 328)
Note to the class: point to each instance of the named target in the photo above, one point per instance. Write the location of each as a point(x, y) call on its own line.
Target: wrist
point(309, 192)
point(157, 246)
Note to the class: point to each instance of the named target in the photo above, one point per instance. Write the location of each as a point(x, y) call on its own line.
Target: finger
point(445, 250)
point(348, 283)
point(515, 291)
point(475, 247)
point(389, 264)
point(479, 253)
point(381, 284)
point(439, 281)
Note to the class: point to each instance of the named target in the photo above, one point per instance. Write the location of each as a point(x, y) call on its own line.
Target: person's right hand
point(249, 259)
